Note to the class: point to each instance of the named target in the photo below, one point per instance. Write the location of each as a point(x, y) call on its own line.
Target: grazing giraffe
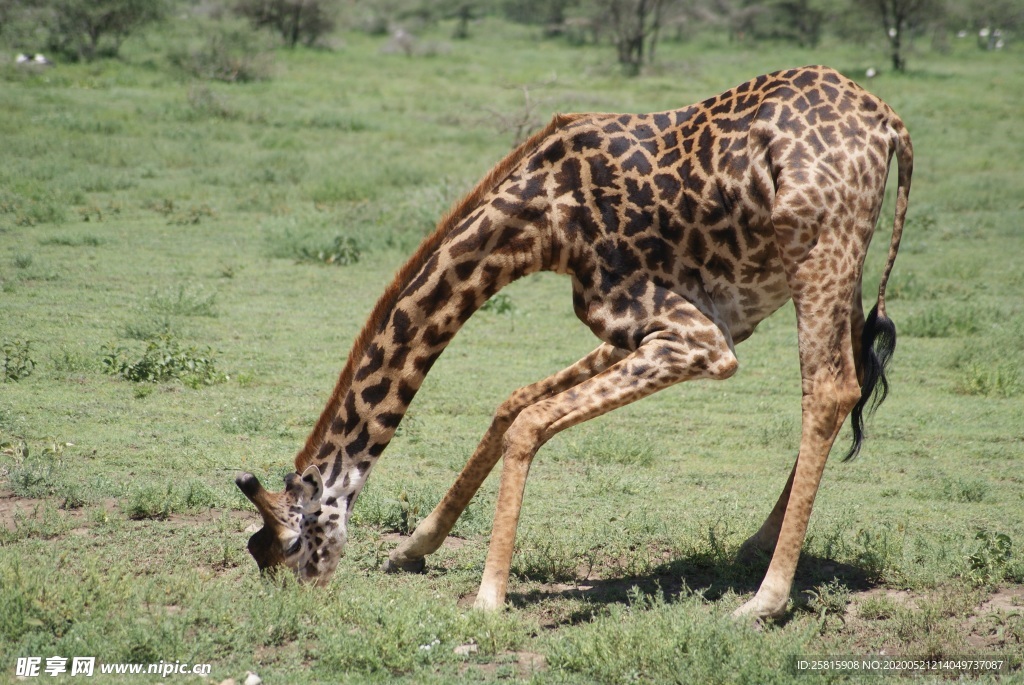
point(681, 231)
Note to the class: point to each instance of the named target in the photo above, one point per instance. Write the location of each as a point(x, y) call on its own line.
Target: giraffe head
point(300, 529)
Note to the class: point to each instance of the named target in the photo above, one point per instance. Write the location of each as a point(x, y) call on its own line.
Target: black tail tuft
point(878, 342)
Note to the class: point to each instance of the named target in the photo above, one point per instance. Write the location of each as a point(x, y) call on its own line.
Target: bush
point(164, 359)
point(296, 21)
point(229, 55)
point(18, 361)
point(81, 29)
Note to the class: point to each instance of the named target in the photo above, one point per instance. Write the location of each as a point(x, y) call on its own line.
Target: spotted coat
point(680, 231)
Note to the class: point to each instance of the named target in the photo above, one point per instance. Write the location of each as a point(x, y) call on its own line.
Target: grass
point(139, 206)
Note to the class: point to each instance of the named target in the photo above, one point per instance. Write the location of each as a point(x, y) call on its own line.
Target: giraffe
point(680, 231)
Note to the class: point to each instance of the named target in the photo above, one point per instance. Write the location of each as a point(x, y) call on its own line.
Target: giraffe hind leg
point(823, 288)
point(433, 530)
point(684, 344)
point(762, 543)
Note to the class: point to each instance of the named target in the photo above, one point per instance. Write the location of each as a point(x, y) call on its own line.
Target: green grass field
point(140, 208)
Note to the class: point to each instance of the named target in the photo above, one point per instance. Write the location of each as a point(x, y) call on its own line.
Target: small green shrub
point(159, 502)
point(877, 553)
point(149, 327)
point(208, 103)
point(966, 490)
point(229, 55)
point(44, 207)
point(994, 378)
point(164, 359)
point(70, 360)
point(23, 260)
point(877, 608)
point(183, 301)
point(991, 363)
point(73, 240)
point(546, 558)
point(152, 502)
point(44, 475)
point(18, 361)
point(344, 250)
point(408, 513)
point(828, 600)
point(988, 564)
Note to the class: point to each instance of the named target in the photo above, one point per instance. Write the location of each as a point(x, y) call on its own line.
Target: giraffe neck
point(482, 254)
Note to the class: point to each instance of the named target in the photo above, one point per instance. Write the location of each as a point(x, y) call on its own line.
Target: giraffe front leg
point(432, 530)
point(664, 358)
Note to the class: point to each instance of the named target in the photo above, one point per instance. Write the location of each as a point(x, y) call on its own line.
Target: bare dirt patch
point(525, 664)
point(13, 508)
point(991, 623)
point(1004, 599)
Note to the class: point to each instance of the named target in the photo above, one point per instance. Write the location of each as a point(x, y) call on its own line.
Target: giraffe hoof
point(487, 603)
point(418, 565)
point(757, 611)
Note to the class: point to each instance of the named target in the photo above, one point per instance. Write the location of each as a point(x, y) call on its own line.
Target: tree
point(802, 21)
point(989, 19)
point(634, 26)
point(296, 21)
point(550, 13)
point(899, 18)
point(87, 29)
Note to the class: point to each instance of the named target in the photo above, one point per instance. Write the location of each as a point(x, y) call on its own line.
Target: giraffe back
point(686, 197)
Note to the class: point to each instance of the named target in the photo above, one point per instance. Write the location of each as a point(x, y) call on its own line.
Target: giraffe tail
point(878, 338)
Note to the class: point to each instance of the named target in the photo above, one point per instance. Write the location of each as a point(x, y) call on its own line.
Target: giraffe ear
point(312, 488)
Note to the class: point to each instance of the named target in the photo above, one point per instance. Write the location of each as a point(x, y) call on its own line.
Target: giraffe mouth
point(265, 544)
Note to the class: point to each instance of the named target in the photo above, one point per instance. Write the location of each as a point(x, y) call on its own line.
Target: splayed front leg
point(432, 531)
point(681, 344)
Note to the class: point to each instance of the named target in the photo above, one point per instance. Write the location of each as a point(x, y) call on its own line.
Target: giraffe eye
point(294, 548)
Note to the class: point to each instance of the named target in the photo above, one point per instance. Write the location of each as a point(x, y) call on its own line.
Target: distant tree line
point(90, 29)
point(635, 27)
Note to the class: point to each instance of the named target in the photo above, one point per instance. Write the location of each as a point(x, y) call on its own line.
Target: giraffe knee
point(526, 434)
point(509, 410)
point(710, 362)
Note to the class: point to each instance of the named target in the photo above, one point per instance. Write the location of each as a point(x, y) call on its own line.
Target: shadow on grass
point(711, 576)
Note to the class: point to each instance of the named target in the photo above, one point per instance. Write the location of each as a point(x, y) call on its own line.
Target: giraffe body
point(680, 231)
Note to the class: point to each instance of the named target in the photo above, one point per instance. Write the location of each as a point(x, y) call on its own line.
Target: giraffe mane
point(428, 247)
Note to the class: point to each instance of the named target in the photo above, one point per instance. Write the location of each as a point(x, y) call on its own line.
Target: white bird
point(22, 58)
point(40, 59)
point(871, 73)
